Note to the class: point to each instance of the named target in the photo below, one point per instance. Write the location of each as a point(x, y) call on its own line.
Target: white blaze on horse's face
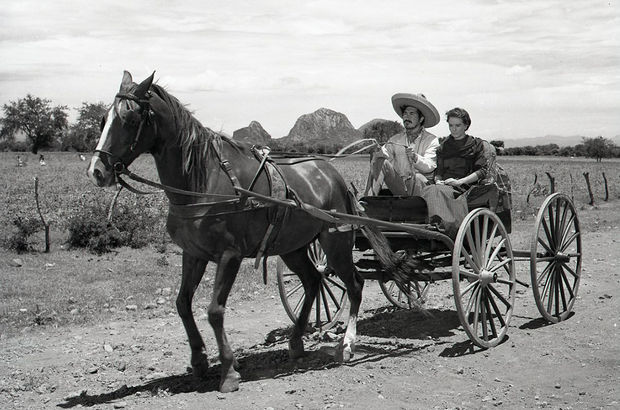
point(97, 171)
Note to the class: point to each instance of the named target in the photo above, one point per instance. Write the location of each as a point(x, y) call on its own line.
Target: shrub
point(131, 226)
point(20, 240)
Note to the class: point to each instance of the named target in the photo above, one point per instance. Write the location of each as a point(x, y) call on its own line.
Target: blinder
point(145, 117)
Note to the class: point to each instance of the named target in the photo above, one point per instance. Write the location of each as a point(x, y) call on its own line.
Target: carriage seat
point(410, 209)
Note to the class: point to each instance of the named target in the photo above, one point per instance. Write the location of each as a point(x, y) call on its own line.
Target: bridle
point(146, 114)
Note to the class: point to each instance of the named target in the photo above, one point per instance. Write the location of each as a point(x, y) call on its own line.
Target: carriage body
point(479, 260)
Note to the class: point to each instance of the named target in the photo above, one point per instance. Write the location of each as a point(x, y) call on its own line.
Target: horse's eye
point(102, 124)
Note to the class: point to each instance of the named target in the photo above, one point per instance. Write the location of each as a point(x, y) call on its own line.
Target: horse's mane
point(196, 140)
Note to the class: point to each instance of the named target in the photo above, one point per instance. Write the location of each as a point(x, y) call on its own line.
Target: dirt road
point(403, 359)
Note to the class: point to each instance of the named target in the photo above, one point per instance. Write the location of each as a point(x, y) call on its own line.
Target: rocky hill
point(324, 126)
point(253, 133)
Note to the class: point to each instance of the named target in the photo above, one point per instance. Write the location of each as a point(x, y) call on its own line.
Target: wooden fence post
point(572, 196)
point(586, 175)
point(606, 188)
point(551, 182)
point(527, 200)
point(46, 225)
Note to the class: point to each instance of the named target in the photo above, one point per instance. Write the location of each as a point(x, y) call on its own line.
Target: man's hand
point(413, 157)
point(453, 182)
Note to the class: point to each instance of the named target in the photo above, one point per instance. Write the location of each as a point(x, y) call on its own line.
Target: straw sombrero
point(402, 100)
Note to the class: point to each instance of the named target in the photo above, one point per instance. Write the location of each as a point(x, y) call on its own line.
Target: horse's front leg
point(299, 263)
point(227, 269)
point(193, 270)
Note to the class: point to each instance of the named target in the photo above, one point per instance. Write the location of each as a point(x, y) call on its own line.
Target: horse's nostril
point(98, 175)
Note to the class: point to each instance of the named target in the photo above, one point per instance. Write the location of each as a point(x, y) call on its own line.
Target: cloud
point(518, 69)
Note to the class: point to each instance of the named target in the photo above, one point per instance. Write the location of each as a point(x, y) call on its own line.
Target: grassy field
point(74, 286)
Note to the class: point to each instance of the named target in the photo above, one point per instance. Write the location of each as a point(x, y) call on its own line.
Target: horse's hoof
point(344, 354)
point(230, 383)
point(296, 349)
point(200, 370)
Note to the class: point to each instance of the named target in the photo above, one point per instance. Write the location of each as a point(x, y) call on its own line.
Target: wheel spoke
point(478, 240)
point(472, 299)
point(569, 269)
point(567, 227)
point(551, 229)
point(317, 308)
point(496, 310)
point(294, 290)
point(333, 297)
point(544, 245)
point(469, 287)
point(471, 263)
point(547, 284)
point(487, 308)
point(550, 238)
point(489, 246)
point(545, 272)
point(484, 239)
point(500, 296)
point(562, 222)
point(298, 305)
point(473, 249)
point(568, 286)
point(476, 307)
point(561, 287)
point(499, 265)
point(336, 284)
point(483, 311)
point(468, 274)
point(551, 293)
point(326, 304)
point(569, 240)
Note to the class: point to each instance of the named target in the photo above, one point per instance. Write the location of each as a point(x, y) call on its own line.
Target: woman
point(461, 161)
point(461, 158)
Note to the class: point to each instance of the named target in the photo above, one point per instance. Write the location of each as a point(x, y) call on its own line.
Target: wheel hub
point(561, 257)
point(487, 277)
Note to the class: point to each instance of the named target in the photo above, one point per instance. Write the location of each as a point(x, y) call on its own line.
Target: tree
point(497, 143)
point(84, 134)
point(383, 130)
point(598, 147)
point(36, 118)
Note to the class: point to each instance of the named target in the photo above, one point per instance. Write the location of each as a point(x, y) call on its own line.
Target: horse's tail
point(397, 267)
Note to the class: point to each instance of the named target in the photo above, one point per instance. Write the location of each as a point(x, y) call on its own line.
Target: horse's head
point(127, 130)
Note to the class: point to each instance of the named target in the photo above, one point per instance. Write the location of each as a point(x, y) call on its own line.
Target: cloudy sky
point(522, 68)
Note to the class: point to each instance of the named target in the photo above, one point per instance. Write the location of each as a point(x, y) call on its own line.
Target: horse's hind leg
point(193, 269)
point(338, 248)
point(227, 269)
point(299, 263)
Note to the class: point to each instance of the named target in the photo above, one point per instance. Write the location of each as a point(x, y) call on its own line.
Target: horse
point(201, 170)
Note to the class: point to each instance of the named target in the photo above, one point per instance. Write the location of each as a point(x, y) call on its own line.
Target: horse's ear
point(144, 86)
point(127, 80)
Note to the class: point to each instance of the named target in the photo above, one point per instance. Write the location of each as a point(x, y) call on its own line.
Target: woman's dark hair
point(459, 113)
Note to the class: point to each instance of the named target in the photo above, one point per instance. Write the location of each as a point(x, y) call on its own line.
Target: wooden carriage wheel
point(331, 300)
point(483, 277)
point(555, 258)
point(398, 298)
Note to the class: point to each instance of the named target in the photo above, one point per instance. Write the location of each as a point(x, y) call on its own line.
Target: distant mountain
point(253, 133)
point(324, 126)
point(562, 141)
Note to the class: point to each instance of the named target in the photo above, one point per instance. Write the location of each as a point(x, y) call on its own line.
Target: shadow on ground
point(270, 360)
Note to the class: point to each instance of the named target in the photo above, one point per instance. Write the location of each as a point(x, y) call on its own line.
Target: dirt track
point(403, 360)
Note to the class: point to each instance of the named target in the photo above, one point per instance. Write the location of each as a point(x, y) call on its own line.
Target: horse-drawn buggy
point(222, 209)
point(479, 259)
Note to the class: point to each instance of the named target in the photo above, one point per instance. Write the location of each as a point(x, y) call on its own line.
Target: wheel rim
point(482, 259)
point(417, 293)
point(555, 259)
point(331, 298)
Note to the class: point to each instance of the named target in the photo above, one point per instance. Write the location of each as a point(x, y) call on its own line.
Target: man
point(406, 163)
